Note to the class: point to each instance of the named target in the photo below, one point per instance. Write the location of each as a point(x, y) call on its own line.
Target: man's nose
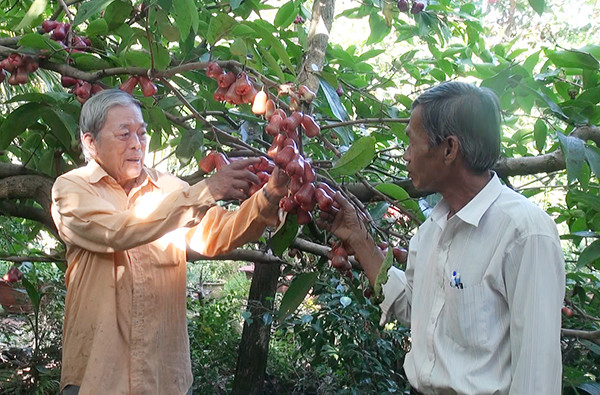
point(136, 141)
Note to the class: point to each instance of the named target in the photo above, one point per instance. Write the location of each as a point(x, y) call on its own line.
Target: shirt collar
point(474, 210)
point(95, 173)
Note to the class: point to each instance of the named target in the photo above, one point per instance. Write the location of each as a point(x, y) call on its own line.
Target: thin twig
point(364, 120)
point(65, 7)
point(217, 131)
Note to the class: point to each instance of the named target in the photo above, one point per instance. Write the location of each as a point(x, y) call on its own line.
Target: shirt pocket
point(165, 256)
point(468, 315)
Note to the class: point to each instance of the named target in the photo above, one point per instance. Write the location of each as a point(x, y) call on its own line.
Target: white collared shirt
point(493, 327)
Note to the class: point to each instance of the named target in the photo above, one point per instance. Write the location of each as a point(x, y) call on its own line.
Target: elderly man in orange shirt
point(126, 227)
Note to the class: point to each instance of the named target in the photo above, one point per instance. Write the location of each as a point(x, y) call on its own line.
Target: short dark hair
point(466, 111)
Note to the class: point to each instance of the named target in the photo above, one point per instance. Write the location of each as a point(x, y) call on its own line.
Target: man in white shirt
point(485, 278)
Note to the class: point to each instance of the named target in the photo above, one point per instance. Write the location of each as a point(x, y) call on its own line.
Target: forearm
point(89, 221)
point(368, 254)
point(221, 231)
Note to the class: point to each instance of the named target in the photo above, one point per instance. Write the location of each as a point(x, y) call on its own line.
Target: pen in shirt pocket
point(456, 281)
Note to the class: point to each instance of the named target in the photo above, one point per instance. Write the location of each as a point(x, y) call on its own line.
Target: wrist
point(272, 197)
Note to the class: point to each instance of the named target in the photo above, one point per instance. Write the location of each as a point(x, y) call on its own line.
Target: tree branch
point(34, 187)
point(21, 259)
point(593, 336)
point(364, 120)
point(11, 209)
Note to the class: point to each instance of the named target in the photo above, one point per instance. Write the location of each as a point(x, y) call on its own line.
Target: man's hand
point(277, 186)
point(232, 181)
point(345, 224)
point(348, 227)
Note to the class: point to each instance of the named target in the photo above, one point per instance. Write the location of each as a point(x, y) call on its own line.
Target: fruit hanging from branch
point(148, 87)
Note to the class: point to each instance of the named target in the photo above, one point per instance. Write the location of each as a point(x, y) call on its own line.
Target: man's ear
point(452, 149)
point(89, 143)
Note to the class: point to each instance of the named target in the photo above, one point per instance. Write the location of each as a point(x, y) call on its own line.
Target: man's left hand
point(277, 186)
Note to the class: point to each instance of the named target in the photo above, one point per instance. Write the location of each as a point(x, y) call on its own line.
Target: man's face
point(425, 165)
point(121, 144)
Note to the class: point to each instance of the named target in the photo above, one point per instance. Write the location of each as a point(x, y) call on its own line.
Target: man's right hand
point(345, 224)
point(348, 227)
point(232, 181)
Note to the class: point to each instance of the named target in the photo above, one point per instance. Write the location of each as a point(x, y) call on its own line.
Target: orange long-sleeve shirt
point(125, 329)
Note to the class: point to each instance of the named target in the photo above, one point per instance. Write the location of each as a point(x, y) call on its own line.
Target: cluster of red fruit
point(234, 89)
point(416, 7)
point(13, 275)
point(19, 67)
point(339, 255)
point(60, 33)
point(80, 88)
point(304, 195)
point(148, 87)
point(263, 169)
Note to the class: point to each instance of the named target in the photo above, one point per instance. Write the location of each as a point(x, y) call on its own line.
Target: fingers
point(243, 163)
point(341, 200)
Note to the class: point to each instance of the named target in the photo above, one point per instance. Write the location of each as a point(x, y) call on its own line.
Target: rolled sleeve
point(221, 230)
point(86, 219)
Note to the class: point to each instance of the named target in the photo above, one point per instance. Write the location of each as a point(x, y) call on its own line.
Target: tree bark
point(316, 43)
point(254, 346)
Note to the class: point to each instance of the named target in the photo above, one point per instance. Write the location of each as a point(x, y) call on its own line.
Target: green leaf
point(574, 152)
point(285, 15)
point(540, 131)
point(219, 27)
point(170, 32)
point(284, 236)
point(235, 4)
point(273, 41)
point(589, 255)
point(116, 13)
point(97, 27)
point(238, 47)
point(296, 293)
point(357, 158)
point(47, 98)
point(587, 200)
point(531, 61)
point(388, 12)
point(32, 292)
point(592, 155)
point(137, 58)
point(272, 62)
point(61, 125)
point(551, 104)
point(18, 121)
point(44, 44)
point(36, 9)
point(191, 141)
point(183, 10)
point(591, 387)
point(379, 29)
point(87, 61)
point(337, 108)
point(162, 56)
point(399, 194)
point(538, 5)
point(573, 59)
point(89, 8)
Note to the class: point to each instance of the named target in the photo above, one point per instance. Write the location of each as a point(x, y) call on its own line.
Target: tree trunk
point(254, 346)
